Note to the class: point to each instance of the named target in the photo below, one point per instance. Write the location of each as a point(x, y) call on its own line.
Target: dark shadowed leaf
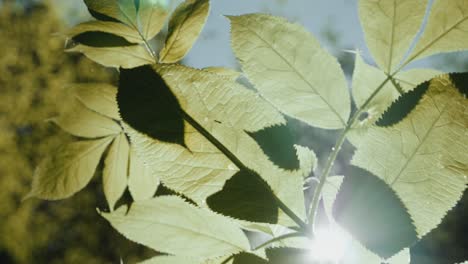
point(278, 144)
point(371, 211)
point(288, 255)
point(149, 106)
point(247, 197)
point(402, 106)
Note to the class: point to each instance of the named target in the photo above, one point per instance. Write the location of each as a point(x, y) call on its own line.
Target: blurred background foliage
point(34, 73)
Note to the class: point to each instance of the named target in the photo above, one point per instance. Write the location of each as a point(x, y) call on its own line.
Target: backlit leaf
point(142, 183)
point(390, 27)
point(366, 79)
point(169, 224)
point(125, 57)
point(80, 121)
point(116, 28)
point(114, 175)
point(445, 30)
point(68, 170)
point(231, 113)
point(423, 157)
point(185, 25)
point(99, 97)
point(121, 10)
point(151, 17)
point(290, 69)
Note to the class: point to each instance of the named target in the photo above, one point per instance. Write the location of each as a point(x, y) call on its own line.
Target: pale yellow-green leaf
point(185, 26)
point(68, 170)
point(114, 175)
point(445, 30)
point(171, 225)
point(172, 260)
point(197, 174)
point(409, 79)
point(390, 26)
point(80, 121)
point(151, 18)
point(125, 57)
point(330, 190)
point(357, 253)
point(290, 69)
point(226, 72)
point(423, 157)
point(227, 110)
point(115, 28)
point(99, 97)
point(142, 183)
point(366, 79)
point(122, 10)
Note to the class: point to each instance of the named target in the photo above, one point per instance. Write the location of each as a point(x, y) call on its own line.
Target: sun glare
point(328, 246)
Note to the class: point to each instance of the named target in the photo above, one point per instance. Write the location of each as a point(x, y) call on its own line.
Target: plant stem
point(241, 166)
point(278, 238)
point(331, 160)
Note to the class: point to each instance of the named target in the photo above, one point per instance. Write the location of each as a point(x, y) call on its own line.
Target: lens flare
point(328, 245)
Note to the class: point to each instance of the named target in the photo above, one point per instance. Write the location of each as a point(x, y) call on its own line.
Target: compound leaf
point(290, 69)
point(230, 113)
point(185, 25)
point(390, 27)
point(68, 170)
point(169, 224)
point(366, 79)
point(114, 175)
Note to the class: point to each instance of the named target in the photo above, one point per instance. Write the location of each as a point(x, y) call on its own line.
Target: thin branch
point(331, 160)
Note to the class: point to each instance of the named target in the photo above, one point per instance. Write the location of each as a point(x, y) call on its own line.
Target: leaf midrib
point(419, 145)
point(298, 73)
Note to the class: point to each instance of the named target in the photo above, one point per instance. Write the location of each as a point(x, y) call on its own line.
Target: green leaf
point(149, 106)
point(245, 197)
point(366, 79)
point(390, 27)
point(288, 255)
point(142, 183)
point(121, 10)
point(371, 211)
point(423, 157)
point(171, 260)
point(185, 26)
point(151, 17)
point(80, 121)
point(114, 175)
point(99, 97)
point(231, 115)
point(169, 224)
point(329, 193)
point(115, 28)
point(68, 170)
point(411, 78)
point(226, 72)
point(198, 168)
point(445, 30)
point(125, 57)
point(290, 69)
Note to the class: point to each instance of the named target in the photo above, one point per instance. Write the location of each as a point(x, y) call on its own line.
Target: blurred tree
point(33, 73)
